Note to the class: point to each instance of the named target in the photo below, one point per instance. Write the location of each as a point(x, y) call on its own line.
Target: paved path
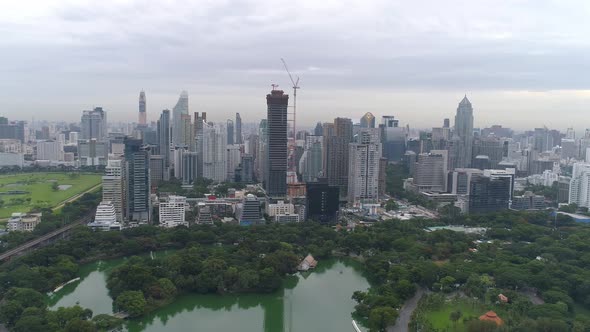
point(405, 313)
point(75, 197)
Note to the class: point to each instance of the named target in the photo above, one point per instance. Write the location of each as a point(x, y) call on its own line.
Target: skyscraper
point(337, 152)
point(142, 108)
point(276, 154)
point(214, 152)
point(464, 133)
point(368, 120)
point(238, 139)
point(177, 112)
point(200, 122)
point(94, 124)
point(363, 167)
point(262, 146)
point(164, 140)
point(230, 132)
point(113, 189)
point(138, 182)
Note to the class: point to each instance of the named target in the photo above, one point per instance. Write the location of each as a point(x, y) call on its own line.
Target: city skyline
point(382, 57)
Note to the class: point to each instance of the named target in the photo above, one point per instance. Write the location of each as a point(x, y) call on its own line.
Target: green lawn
point(440, 319)
point(39, 190)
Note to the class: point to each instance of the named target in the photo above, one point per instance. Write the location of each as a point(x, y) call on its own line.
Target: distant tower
point(142, 105)
point(368, 120)
point(238, 135)
point(230, 132)
point(179, 109)
point(446, 123)
point(464, 132)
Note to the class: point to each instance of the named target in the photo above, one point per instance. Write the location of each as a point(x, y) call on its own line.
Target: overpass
point(46, 239)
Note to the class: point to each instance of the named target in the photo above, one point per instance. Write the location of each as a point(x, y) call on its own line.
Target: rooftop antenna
point(274, 86)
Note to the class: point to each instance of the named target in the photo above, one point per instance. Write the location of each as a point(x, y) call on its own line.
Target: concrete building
point(312, 164)
point(459, 180)
point(490, 192)
point(230, 131)
point(138, 181)
point(233, 161)
point(430, 173)
point(105, 218)
point(528, 201)
point(200, 121)
point(113, 187)
point(181, 108)
point(337, 138)
point(464, 133)
point(238, 137)
point(214, 152)
point(94, 124)
point(363, 168)
point(280, 208)
point(286, 218)
point(50, 150)
point(250, 211)
point(23, 222)
point(276, 151)
point(579, 191)
point(189, 167)
point(157, 169)
point(11, 159)
point(173, 212)
point(93, 152)
point(163, 133)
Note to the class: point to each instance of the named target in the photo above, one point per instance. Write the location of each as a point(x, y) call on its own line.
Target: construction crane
point(295, 87)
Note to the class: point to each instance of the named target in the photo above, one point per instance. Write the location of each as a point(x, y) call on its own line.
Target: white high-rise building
point(172, 212)
point(50, 150)
point(580, 185)
point(363, 167)
point(113, 188)
point(105, 218)
point(214, 152)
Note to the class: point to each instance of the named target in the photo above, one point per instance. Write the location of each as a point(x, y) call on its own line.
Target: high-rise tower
point(238, 139)
point(276, 152)
point(177, 121)
point(142, 104)
point(463, 133)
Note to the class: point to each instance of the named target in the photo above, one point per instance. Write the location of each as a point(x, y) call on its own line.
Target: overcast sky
point(522, 64)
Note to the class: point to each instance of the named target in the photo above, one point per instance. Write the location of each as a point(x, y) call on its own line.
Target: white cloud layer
point(522, 62)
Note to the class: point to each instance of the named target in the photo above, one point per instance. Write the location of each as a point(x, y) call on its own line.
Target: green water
point(316, 301)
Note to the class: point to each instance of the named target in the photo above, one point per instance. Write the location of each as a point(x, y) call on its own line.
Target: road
point(75, 197)
point(34, 243)
point(405, 313)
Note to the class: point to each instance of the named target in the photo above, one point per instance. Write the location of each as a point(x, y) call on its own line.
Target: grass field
point(440, 319)
point(40, 190)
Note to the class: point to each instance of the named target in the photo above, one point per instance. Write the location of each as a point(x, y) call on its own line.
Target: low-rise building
point(23, 222)
point(105, 218)
point(287, 218)
point(280, 207)
point(173, 212)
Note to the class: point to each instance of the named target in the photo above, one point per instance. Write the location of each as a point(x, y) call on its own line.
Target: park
point(23, 192)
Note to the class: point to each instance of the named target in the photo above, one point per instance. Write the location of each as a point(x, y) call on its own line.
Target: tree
point(391, 205)
point(55, 186)
point(131, 302)
point(382, 317)
point(78, 325)
point(10, 312)
point(455, 315)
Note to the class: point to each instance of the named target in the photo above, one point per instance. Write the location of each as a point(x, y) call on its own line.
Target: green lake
point(314, 301)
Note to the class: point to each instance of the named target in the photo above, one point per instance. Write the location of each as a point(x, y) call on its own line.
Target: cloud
point(78, 53)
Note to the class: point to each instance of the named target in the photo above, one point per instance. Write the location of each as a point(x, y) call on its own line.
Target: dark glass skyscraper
point(276, 151)
point(238, 135)
point(230, 132)
point(137, 175)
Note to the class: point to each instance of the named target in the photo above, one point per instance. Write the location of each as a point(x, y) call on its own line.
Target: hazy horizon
point(521, 63)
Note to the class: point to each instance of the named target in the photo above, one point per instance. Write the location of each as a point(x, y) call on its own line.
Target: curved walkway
point(405, 313)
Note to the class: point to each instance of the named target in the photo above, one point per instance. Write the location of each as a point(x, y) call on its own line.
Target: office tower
point(142, 109)
point(73, 137)
point(579, 190)
point(50, 150)
point(233, 161)
point(187, 133)
point(382, 176)
point(189, 167)
point(368, 120)
point(570, 133)
point(238, 139)
point(200, 121)
point(393, 138)
point(528, 201)
point(430, 172)
point(490, 192)
point(92, 152)
point(276, 154)
point(318, 130)
point(179, 109)
point(157, 169)
point(322, 201)
point(230, 132)
point(214, 152)
point(363, 169)
point(12, 130)
point(337, 152)
point(491, 147)
point(464, 133)
point(250, 212)
point(568, 148)
point(262, 147)
point(163, 133)
point(247, 168)
point(497, 131)
point(94, 124)
point(446, 123)
point(313, 158)
point(459, 180)
point(172, 212)
point(113, 187)
point(138, 182)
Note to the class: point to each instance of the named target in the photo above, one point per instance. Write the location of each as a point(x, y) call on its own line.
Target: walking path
point(405, 313)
